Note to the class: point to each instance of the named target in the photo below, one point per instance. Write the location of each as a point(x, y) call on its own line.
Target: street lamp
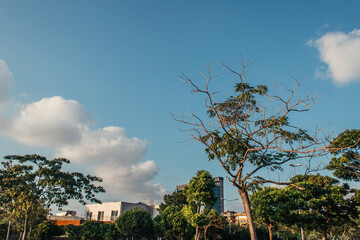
point(294, 166)
point(229, 200)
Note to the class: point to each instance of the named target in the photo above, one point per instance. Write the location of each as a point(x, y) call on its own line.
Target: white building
point(110, 211)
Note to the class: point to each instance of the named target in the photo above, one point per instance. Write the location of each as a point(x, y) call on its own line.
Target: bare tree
point(251, 131)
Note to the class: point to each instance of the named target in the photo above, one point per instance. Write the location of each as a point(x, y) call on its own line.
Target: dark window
point(114, 215)
point(88, 215)
point(100, 216)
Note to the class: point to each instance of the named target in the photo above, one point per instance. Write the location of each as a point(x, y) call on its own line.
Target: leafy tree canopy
point(30, 183)
point(273, 206)
point(135, 223)
point(201, 198)
point(324, 203)
point(346, 161)
point(171, 223)
point(175, 199)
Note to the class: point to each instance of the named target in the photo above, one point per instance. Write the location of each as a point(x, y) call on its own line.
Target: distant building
point(219, 193)
point(66, 217)
point(110, 211)
point(236, 218)
point(218, 190)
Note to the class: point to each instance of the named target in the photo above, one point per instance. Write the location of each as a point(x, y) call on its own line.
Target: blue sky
point(96, 81)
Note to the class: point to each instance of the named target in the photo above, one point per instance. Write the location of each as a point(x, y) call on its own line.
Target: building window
point(100, 216)
point(114, 215)
point(88, 215)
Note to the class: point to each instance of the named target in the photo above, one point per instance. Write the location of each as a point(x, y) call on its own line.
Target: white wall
point(121, 207)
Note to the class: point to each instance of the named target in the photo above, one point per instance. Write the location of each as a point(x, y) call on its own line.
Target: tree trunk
point(30, 228)
point(270, 232)
point(25, 228)
point(197, 234)
point(8, 231)
point(323, 234)
point(205, 230)
point(246, 202)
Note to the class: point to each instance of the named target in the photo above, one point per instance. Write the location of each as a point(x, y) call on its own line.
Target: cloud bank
point(341, 53)
point(66, 127)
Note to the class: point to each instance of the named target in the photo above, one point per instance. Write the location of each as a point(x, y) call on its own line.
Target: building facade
point(66, 217)
point(110, 211)
point(236, 218)
point(219, 193)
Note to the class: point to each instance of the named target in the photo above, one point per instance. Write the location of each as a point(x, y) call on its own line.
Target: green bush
point(92, 230)
point(72, 232)
point(111, 232)
point(46, 230)
point(3, 230)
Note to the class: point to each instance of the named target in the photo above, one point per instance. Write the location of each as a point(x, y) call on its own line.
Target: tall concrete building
point(218, 190)
point(219, 193)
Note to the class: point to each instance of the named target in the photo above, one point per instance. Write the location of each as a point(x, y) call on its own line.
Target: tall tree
point(251, 130)
point(346, 151)
point(273, 206)
point(32, 182)
point(201, 198)
point(171, 223)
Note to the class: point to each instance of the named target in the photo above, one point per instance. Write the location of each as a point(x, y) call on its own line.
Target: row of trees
point(187, 214)
point(133, 224)
point(312, 202)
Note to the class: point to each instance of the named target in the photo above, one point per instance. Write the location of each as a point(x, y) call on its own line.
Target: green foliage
point(346, 161)
point(46, 230)
point(200, 198)
point(242, 232)
point(199, 193)
point(324, 203)
point(111, 232)
point(73, 232)
point(30, 184)
point(197, 220)
point(47, 181)
point(217, 227)
point(174, 199)
point(3, 230)
point(272, 206)
point(246, 135)
point(135, 223)
point(171, 223)
point(92, 230)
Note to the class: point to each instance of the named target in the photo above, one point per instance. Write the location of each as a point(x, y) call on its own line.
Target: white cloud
point(133, 180)
point(116, 159)
point(341, 52)
point(50, 122)
point(65, 126)
point(110, 144)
